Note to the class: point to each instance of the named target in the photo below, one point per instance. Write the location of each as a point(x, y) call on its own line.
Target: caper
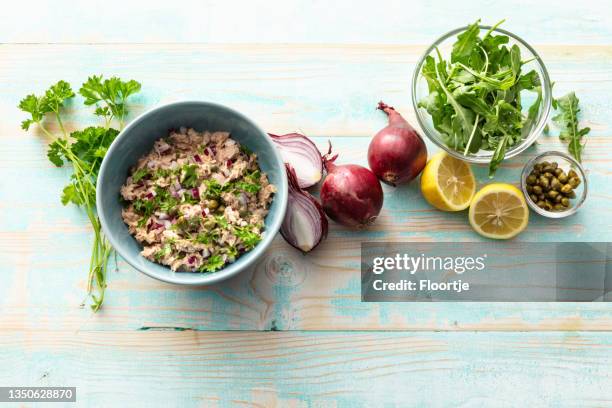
point(565, 201)
point(572, 194)
point(529, 189)
point(572, 173)
point(558, 198)
point(566, 189)
point(544, 183)
point(531, 179)
point(563, 178)
point(548, 174)
point(537, 190)
point(541, 204)
point(548, 205)
point(533, 197)
point(559, 207)
point(552, 194)
point(558, 171)
point(221, 209)
point(555, 184)
point(212, 204)
point(554, 165)
point(544, 164)
point(542, 197)
point(574, 182)
point(549, 169)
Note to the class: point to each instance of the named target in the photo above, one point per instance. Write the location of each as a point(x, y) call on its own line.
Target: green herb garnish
point(475, 98)
point(189, 176)
point(84, 150)
point(247, 236)
point(213, 263)
point(139, 175)
point(567, 120)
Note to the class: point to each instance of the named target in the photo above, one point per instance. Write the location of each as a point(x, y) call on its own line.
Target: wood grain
point(186, 368)
point(322, 90)
point(298, 21)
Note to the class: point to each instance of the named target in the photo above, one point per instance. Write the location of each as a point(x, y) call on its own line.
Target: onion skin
point(397, 154)
point(351, 195)
point(298, 150)
point(301, 200)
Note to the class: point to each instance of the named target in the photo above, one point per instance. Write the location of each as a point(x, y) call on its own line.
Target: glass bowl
point(420, 90)
point(566, 162)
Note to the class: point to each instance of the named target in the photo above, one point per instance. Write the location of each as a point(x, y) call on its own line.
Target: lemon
point(499, 211)
point(448, 183)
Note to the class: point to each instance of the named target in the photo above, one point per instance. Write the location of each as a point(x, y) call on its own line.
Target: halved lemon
point(448, 183)
point(499, 211)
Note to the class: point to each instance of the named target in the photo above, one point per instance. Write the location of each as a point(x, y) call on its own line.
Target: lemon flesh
point(499, 211)
point(448, 183)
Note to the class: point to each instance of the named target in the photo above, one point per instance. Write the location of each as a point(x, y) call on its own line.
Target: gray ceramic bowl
point(137, 139)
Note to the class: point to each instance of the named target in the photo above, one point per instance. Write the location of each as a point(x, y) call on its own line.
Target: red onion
point(195, 193)
point(303, 155)
point(197, 158)
point(305, 225)
point(351, 194)
point(397, 154)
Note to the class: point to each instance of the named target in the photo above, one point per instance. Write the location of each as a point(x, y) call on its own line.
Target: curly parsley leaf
point(91, 145)
point(247, 236)
point(84, 150)
point(109, 96)
point(213, 263)
point(52, 101)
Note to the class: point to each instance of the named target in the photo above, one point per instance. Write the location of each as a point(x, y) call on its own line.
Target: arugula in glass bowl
point(490, 99)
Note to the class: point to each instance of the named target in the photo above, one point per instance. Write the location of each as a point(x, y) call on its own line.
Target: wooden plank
point(320, 90)
point(186, 369)
point(297, 21)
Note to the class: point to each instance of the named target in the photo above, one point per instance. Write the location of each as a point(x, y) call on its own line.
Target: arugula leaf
point(567, 120)
point(466, 43)
point(474, 99)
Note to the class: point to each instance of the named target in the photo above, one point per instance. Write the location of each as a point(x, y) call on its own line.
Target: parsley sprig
point(84, 150)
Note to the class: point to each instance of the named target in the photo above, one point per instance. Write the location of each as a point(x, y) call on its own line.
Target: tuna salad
point(197, 201)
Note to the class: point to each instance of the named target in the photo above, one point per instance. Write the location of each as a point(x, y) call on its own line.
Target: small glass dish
point(567, 163)
point(420, 90)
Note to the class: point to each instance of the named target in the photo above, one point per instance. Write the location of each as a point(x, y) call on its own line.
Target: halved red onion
point(305, 224)
point(303, 155)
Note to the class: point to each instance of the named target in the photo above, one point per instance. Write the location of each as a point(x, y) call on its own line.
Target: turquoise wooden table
point(292, 330)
